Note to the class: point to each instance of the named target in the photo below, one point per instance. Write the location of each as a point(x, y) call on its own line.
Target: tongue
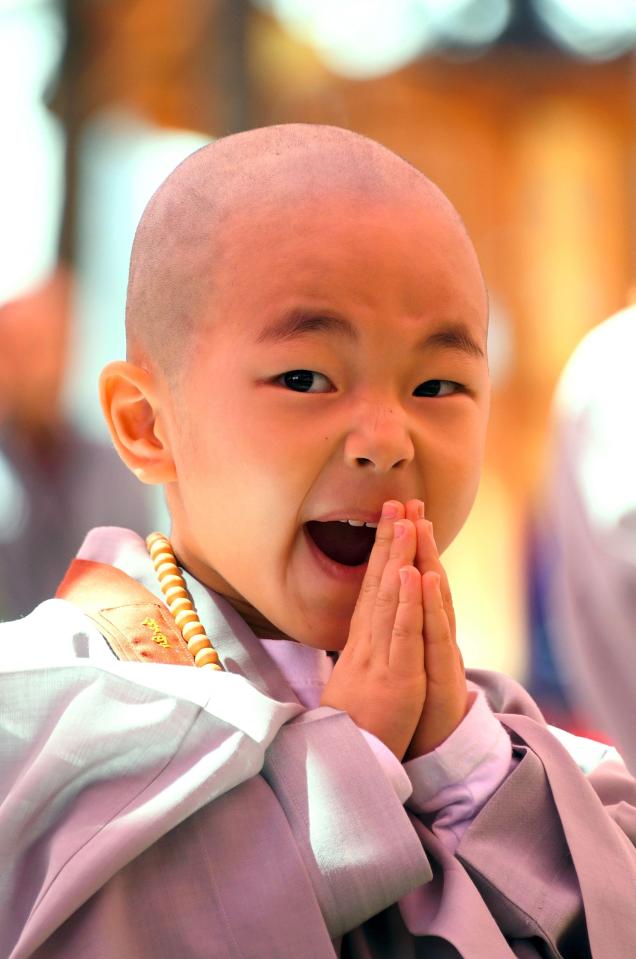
point(349, 545)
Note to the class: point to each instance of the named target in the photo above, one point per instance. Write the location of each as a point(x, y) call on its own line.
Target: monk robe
point(152, 810)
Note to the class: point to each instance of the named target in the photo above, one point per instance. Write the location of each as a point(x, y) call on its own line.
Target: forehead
point(361, 257)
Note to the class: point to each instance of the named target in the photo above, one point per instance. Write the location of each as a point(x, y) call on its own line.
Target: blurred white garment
point(592, 514)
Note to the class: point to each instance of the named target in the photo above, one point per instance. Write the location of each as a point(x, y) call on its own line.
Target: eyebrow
point(300, 322)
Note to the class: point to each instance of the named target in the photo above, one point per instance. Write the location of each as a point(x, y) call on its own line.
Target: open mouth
point(342, 543)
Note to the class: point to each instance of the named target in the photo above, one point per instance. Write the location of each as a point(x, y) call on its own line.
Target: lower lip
point(345, 574)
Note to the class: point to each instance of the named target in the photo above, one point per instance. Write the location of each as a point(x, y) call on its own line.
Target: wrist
point(433, 735)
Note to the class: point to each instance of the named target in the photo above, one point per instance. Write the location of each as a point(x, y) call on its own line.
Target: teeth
point(358, 522)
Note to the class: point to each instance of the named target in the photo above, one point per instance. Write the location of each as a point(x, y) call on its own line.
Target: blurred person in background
point(54, 482)
point(591, 531)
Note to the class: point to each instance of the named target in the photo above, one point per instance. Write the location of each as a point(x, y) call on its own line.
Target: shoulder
point(54, 632)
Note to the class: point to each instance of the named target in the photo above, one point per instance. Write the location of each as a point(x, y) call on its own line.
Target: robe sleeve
point(454, 781)
point(552, 851)
point(97, 764)
point(103, 762)
point(547, 867)
point(354, 835)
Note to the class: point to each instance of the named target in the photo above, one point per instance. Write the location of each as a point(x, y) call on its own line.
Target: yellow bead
point(159, 546)
point(153, 538)
point(183, 603)
point(215, 666)
point(206, 657)
point(167, 568)
point(173, 580)
point(197, 643)
point(192, 629)
point(163, 556)
point(175, 592)
point(185, 616)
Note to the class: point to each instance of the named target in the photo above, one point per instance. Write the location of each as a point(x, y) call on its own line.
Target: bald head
point(178, 251)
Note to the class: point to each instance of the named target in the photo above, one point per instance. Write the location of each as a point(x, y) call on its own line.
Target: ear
point(130, 402)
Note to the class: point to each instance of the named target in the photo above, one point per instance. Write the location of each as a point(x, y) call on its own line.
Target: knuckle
point(384, 599)
point(370, 586)
point(402, 631)
point(383, 536)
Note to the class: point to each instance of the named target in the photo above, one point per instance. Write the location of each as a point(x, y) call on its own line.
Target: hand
point(446, 701)
point(379, 679)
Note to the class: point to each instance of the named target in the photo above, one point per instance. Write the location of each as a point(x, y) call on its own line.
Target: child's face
point(256, 457)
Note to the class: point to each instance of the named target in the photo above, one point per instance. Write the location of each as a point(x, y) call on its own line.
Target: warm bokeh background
point(521, 112)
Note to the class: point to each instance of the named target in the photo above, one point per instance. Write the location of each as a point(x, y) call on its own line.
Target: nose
point(380, 439)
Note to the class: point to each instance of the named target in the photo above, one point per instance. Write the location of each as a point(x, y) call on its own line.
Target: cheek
point(451, 482)
point(236, 472)
point(449, 499)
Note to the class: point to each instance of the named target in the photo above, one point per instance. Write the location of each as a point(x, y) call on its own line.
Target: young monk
point(306, 329)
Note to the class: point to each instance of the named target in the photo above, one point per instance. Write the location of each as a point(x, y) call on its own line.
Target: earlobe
point(129, 401)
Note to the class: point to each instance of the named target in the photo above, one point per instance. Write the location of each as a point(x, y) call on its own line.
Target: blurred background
point(521, 110)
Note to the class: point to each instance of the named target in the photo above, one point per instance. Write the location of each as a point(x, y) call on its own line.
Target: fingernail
point(399, 529)
point(404, 576)
point(420, 510)
point(389, 511)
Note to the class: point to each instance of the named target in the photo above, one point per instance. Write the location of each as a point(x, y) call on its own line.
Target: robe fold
point(149, 810)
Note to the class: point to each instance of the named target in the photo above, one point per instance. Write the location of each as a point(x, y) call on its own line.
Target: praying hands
point(401, 674)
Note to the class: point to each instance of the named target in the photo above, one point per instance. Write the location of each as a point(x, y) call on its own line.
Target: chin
point(332, 641)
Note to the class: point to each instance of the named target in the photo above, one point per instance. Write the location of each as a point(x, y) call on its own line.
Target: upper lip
point(354, 512)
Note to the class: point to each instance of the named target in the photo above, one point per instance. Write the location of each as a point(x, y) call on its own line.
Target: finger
point(387, 597)
point(427, 560)
point(446, 694)
point(392, 510)
point(444, 667)
point(415, 510)
point(406, 653)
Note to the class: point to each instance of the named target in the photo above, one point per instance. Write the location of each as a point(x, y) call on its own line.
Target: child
point(306, 329)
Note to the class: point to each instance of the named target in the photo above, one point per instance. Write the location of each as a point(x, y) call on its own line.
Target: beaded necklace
point(179, 602)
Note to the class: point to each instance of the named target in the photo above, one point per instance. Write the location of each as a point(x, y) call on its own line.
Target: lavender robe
point(152, 810)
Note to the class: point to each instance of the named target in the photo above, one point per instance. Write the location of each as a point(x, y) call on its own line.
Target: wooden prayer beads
point(179, 602)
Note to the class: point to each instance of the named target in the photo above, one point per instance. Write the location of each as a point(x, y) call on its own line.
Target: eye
point(301, 381)
point(438, 388)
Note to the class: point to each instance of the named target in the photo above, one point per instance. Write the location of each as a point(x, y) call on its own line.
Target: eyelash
point(458, 386)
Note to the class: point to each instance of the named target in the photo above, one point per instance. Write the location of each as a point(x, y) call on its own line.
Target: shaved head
point(230, 185)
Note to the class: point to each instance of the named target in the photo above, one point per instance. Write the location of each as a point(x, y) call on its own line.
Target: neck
point(256, 621)
point(209, 577)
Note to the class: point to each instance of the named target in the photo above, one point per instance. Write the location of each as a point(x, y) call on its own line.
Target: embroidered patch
point(157, 636)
